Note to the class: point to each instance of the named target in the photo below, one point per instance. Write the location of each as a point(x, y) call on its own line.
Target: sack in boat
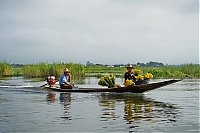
point(139, 82)
point(62, 86)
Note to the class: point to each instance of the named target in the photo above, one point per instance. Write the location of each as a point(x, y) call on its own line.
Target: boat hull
point(133, 89)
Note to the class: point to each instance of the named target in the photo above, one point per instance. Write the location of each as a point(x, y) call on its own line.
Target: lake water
point(24, 107)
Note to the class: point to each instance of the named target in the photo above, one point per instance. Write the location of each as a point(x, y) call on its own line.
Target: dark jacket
point(129, 76)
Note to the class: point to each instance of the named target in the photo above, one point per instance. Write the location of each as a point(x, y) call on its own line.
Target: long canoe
point(134, 89)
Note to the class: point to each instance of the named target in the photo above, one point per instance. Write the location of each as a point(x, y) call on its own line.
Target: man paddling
point(129, 75)
point(65, 80)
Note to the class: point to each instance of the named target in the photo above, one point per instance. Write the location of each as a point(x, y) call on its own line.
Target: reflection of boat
point(137, 107)
point(134, 89)
point(136, 98)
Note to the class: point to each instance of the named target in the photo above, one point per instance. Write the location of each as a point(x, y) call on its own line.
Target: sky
point(99, 31)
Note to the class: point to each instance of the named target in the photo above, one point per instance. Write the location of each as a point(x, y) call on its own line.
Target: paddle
point(44, 85)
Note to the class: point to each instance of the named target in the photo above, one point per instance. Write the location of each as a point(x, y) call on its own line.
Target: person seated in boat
point(129, 75)
point(64, 80)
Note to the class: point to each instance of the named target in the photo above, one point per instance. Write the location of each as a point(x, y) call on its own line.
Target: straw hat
point(129, 66)
point(66, 70)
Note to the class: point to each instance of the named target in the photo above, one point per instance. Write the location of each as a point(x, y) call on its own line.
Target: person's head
point(66, 71)
point(129, 67)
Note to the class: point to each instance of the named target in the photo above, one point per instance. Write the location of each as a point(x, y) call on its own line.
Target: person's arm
point(68, 81)
point(134, 79)
point(125, 77)
point(69, 77)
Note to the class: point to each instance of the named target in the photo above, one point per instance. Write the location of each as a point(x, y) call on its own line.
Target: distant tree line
point(149, 64)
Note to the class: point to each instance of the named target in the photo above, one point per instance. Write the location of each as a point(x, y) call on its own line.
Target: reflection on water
point(32, 109)
point(108, 112)
point(51, 97)
point(137, 108)
point(65, 100)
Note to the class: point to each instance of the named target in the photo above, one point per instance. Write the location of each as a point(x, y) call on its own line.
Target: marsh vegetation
point(42, 69)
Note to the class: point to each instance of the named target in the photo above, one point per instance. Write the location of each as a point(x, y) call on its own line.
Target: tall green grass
point(43, 69)
point(183, 71)
point(102, 69)
point(5, 69)
point(187, 70)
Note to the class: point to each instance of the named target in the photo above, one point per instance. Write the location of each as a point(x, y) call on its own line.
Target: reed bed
point(103, 69)
point(183, 71)
point(43, 69)
point(5, 69)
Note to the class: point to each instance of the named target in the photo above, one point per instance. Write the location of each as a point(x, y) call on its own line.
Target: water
point(24, 107)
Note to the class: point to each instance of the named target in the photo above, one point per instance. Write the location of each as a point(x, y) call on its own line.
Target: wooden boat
point(133, 89)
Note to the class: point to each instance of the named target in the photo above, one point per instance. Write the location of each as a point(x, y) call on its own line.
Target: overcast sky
point(100, 31)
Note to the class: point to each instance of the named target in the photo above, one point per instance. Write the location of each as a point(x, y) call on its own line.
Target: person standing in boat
point(65, 80)
point(129, 75)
